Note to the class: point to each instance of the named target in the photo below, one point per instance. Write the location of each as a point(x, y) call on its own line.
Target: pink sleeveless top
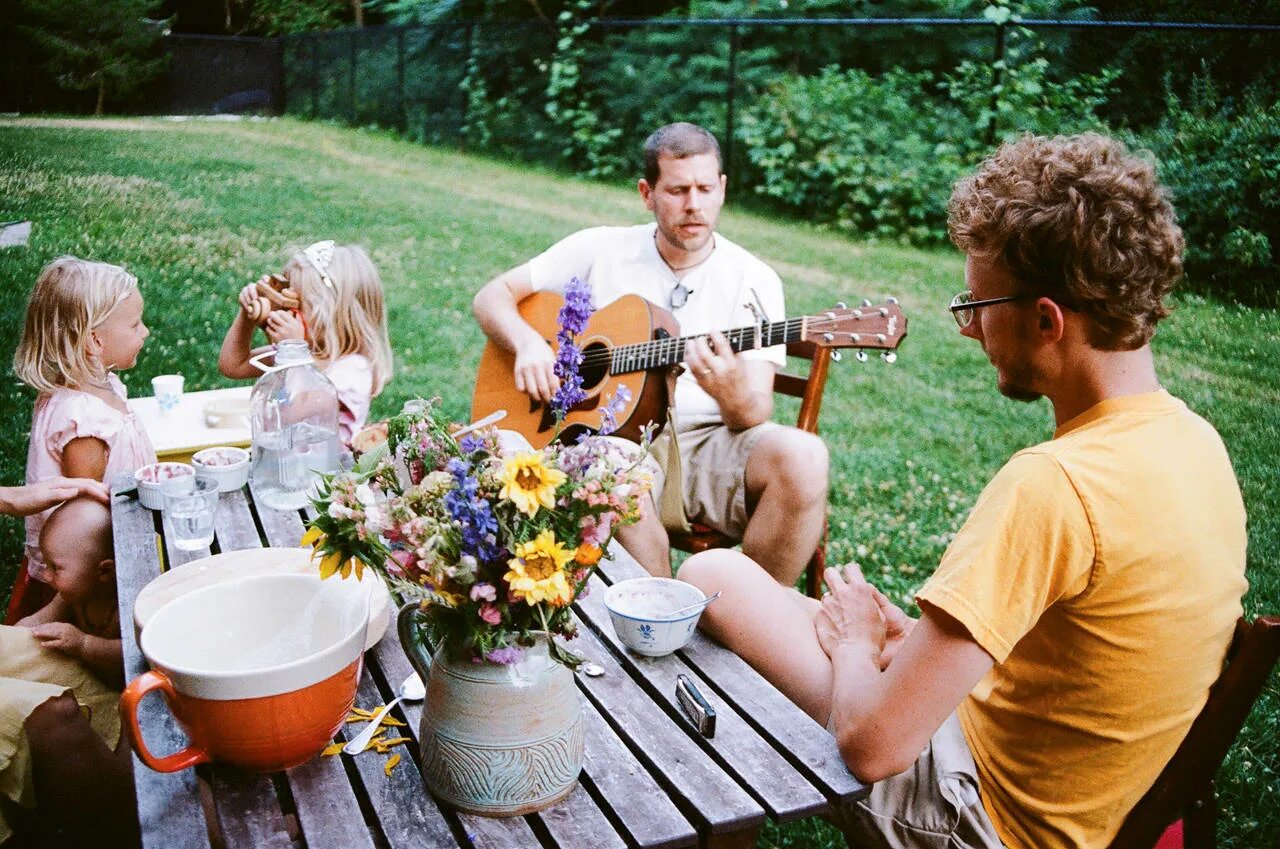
point(68, 414)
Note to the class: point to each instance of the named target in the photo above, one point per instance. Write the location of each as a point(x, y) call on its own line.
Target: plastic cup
point(190, 502)
point(168, 391)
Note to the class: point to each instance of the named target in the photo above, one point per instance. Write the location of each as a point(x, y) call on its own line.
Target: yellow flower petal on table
point(332, 749)
point(537, 571)
point(390, 720)
point(529, 483)
point(390, 765)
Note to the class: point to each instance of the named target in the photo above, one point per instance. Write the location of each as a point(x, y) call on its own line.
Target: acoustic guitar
point(633, 343)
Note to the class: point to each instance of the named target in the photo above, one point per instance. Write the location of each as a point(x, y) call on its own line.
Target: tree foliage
point(111, 47)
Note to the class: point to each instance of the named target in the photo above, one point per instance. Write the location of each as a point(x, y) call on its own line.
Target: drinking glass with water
point(190, 502)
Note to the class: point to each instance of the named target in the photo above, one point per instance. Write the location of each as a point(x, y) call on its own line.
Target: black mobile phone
point(695, 706)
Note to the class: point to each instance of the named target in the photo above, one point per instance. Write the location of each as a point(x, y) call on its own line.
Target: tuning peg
point(836, 356)
point(830, 316)
point(866, 302)
point(861, 356)
point(828, 337)
point(889, 357)
point(884, 312)
point(841, 305)
point(855, 337)
point(890, 300)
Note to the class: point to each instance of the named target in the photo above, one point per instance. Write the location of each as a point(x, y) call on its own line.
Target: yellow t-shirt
point(1103, 572)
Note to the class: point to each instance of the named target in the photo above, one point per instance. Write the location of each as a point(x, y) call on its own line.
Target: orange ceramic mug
point(260, 672)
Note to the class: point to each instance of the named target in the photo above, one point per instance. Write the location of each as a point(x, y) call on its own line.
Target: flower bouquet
point(495, 546)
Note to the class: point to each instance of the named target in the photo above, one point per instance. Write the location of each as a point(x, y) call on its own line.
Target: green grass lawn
point(196, 209)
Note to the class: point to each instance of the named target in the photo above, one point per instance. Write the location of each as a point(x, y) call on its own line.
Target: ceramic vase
point(496, 740)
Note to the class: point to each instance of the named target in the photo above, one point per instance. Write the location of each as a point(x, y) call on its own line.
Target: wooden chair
point(1183, 794)
point(809, 390)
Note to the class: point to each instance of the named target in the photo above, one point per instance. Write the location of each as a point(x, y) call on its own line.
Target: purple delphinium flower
point(620, 398)
point(573, 318)
point(472, 513)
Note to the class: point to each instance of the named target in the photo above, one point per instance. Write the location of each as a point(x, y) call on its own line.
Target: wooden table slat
point(248, 810)
point(779, 786)
point(578, 821)
point(282, 527)
point(682, 766)
point(328, 810)
point(651, 819)
point(407, 814)
point(233, 523)
point(169, 803)
point(796, 734)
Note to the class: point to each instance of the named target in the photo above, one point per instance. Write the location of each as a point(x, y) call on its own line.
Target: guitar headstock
point(880, 326)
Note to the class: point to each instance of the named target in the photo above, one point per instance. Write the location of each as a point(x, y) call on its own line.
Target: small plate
point(217, 568)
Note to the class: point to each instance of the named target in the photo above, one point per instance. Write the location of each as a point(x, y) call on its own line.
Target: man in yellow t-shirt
point(1071, 633)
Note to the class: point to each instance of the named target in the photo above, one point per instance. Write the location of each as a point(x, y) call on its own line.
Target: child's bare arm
point(85, 457)
point(233, 359)
point(56, 610)
point(102, 654)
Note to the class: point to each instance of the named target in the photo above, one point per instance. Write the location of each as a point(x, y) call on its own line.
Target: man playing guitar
point(741, 473)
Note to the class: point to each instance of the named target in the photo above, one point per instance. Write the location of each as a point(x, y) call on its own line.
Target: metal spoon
point(675, 614)
point(412, 690)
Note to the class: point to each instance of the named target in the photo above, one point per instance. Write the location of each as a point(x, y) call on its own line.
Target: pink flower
point(490, 613)
point(484, 592)
point(595, 529)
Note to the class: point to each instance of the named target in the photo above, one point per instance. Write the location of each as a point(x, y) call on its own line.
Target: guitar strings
point(674, 345)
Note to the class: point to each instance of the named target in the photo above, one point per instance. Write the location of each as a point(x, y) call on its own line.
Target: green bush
point(877, 155)
point(872, 155)
point(1221, 158)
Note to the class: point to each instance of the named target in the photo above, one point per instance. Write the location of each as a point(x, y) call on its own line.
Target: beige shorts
point(935, 804)
point(713, 471)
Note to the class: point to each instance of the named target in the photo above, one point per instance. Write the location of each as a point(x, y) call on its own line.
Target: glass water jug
point(293, 418)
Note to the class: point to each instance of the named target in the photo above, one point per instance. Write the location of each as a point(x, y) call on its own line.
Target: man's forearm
point(857, 690)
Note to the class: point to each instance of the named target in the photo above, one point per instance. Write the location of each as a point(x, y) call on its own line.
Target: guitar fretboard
point(667, 352)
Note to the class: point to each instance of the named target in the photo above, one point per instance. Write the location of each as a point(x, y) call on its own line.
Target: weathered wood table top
point(649, 780)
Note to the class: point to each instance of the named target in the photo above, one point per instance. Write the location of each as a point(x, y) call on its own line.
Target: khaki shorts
point(713, 471)
point(933, 805)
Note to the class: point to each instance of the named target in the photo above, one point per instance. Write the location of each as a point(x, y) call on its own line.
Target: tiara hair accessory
point(320, 255)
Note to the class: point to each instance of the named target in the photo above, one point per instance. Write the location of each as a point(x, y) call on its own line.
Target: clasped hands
point(854, 612)
point(274, 306)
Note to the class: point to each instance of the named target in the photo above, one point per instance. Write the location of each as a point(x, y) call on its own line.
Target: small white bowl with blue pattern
point(641, 609)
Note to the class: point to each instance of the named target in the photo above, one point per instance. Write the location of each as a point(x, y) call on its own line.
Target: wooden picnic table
point(649, 779)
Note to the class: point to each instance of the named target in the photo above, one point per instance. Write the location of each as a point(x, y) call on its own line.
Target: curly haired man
point(1072, 630)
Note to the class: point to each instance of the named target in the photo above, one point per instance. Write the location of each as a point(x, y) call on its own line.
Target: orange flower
point(588, 555)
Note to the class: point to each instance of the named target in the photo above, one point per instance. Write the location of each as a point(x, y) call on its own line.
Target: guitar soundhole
point(595, 365)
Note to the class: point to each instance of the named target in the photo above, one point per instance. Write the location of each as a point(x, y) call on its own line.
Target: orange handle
point(129, 699)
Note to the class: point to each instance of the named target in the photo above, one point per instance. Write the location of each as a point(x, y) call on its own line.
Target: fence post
point(731, 94)
point(997, 78)
point(281, 75)
point(400, 102)
point(351, 81)
point(315, 75)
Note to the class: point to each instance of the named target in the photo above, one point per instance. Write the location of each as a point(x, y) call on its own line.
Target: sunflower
point(537, 571)
point(332, 561)
point(528, 483)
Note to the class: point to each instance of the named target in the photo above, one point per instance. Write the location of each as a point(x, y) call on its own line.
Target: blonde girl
point(83, 324)
point(332, 297)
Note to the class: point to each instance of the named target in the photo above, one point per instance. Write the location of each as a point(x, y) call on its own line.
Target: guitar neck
point(660, 353)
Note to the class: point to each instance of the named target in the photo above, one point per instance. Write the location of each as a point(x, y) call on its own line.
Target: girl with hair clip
point(83, 324)
point(331, 296)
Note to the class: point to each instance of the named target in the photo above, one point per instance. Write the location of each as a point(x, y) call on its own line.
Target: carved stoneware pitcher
point(497, 740)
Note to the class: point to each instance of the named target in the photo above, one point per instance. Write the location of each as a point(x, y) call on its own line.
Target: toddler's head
point(342, 305)
point(83, 319)
point(77, 547)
